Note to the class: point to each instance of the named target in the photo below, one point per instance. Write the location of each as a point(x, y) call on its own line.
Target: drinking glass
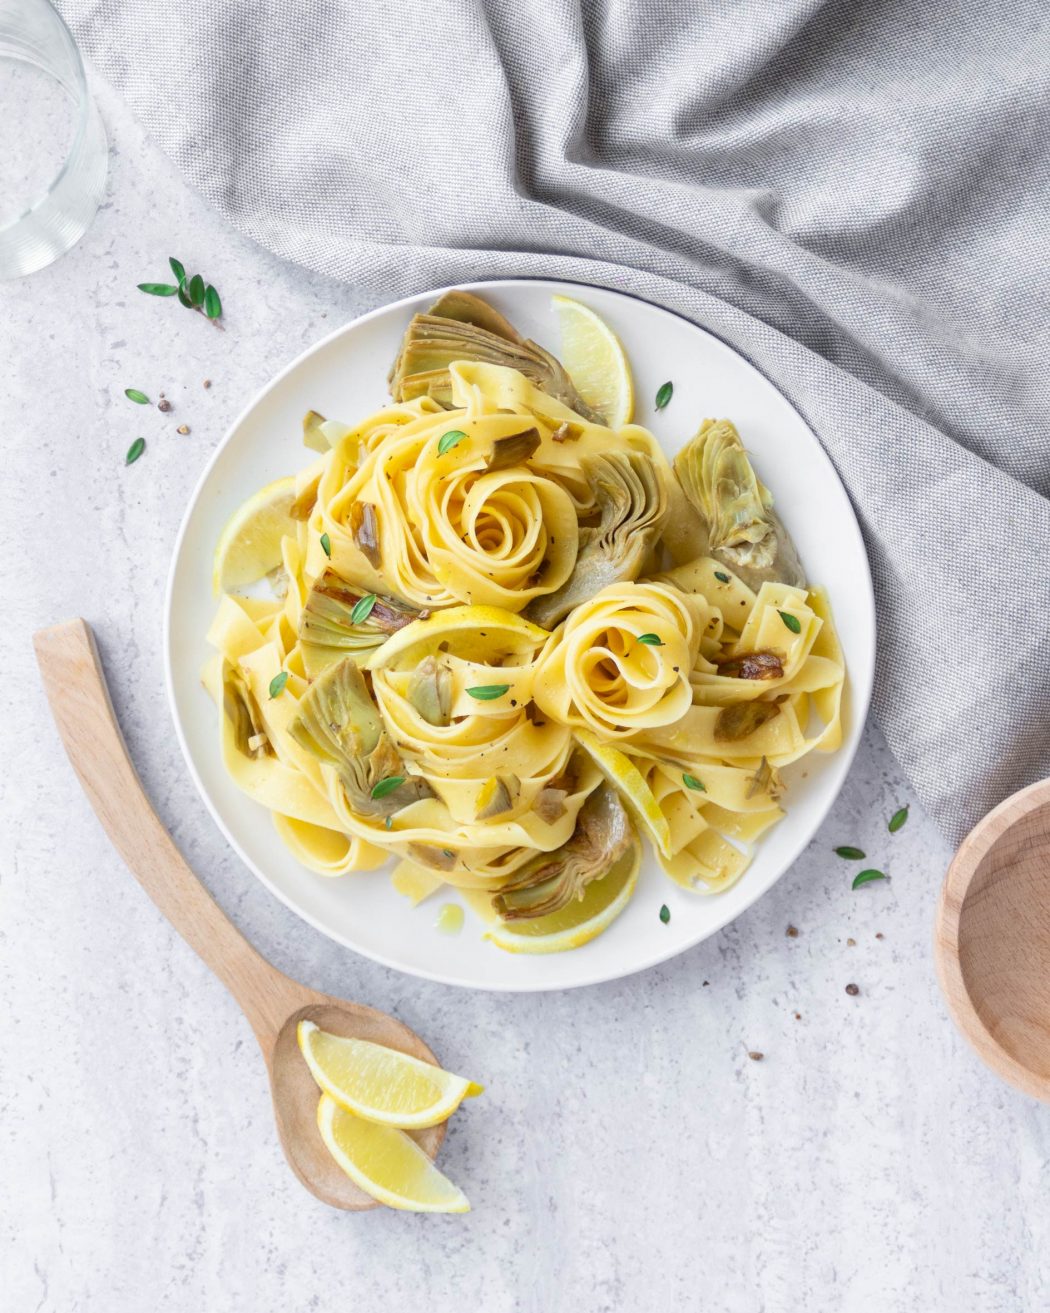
point(52, 142)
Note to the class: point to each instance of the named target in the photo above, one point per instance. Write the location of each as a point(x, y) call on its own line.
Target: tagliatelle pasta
point(481, 656)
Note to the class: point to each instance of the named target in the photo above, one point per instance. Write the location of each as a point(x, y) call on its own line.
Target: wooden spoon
point(273, 1004)
point(992, 939)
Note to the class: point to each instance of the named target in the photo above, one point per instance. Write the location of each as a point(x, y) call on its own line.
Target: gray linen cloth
point(854, 195)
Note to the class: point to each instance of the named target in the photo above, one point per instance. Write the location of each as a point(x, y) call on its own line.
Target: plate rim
point(859, 700)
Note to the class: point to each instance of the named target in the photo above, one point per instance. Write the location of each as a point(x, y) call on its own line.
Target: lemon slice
point(583, 920)
point(595, 360)
point(386, 1163)
point(624, 775)
point(250, 545)
point(381, 1084)
point(475, 633)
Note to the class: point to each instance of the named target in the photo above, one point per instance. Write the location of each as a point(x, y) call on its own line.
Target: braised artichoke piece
point(242, 711)
point(550, 881)
point(303, 506)
point(765, 780)
point(427, 854)
point(430, 691)
point(338, 723)
point(328, 630)
point(514, 449)
point(737, 509)
point(549, 804)
point(751, 665)
point(632, 506)
point(567, 432)
point(461, 326)
point(365, 530)
point(740, 720)
point(313, 437)
point(497, 796)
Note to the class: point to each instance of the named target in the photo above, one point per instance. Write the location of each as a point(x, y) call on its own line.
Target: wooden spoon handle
point(76, 688)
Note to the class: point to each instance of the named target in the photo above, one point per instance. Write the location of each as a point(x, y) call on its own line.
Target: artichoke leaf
point(550, 881)
point(338, 723)
point(744, 532)
point(632, 507)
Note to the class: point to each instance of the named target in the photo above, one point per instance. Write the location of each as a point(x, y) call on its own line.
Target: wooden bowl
point(992, 939)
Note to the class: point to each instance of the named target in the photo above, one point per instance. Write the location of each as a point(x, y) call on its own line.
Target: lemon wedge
point(595, 360)
point(624, 775)
point(581, 921)
point(250, 545)
point(386, 1163)
point(381, 1084)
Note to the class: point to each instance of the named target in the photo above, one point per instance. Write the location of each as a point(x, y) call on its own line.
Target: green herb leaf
point(722, 578)
point(897, 820)
point(277, 684)
point(448, 440)
point(488, 692)
point(850, 854)
point(212, 304)
point(362, 609)
point(792, 621)
point(326, 545)
point(866, 877)
point(389, 823)
point(691, 782)
point(665, 914)
point(651, 640)
point(139, 398)
point(664, 394)
point(157, 289)
point(135, 451)
point(184, 296)
point(388, 785)
point(196, 290)
point(177, 268)
point(447, 852)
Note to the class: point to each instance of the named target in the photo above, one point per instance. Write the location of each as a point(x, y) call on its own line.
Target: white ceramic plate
point(344, 377)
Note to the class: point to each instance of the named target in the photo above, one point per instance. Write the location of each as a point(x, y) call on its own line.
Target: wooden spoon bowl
point(992, 939)
point(273, 1003)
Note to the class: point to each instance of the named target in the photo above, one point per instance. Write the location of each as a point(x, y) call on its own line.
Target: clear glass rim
point(84, 107)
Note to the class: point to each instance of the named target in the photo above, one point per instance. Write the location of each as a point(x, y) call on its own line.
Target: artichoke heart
point(745, 533)
point(461, 326)
point(551, 881)
point(339, 724)
point(327, 631)
point(632, 506)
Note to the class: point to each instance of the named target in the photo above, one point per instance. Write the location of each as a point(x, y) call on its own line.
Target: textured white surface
point(627, 1153)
